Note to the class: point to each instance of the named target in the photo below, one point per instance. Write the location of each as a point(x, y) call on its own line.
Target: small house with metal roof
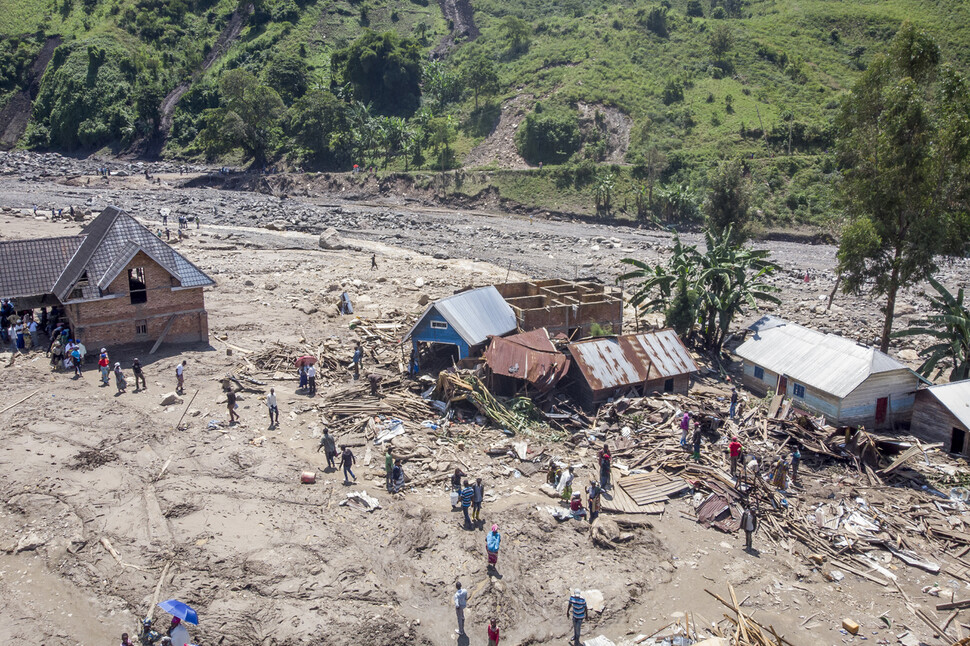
point(942, 414)
point(463, 321)
point(116, 282)
point(848, 383)
point(606, 367)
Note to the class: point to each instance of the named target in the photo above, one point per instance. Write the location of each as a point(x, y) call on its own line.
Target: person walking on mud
point(461, 601)
point(180, 377)
point(347, 460)
point(136, 370)
point(373, 261)
point(232, 405)
point(104, 366)
point(749, 523)
point(329, 447)
point(492, 543)
point(311, 377)
point(577, 612)
point(358, 360)
point(467, 493)
point(478, 494)
point(120, 380)
point(684, 427)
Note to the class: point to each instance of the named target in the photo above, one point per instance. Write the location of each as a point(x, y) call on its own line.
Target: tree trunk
point(887, 327)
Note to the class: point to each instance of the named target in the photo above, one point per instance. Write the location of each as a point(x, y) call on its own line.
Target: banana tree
point(950, 325)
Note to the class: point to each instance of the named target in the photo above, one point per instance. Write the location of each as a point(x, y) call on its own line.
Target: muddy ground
point(227, 526)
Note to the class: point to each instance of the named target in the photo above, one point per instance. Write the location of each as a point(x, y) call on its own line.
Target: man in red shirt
point(735, 448)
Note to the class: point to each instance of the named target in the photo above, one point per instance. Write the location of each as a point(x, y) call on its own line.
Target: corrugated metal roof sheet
point(956, 398)
point(611, 362)
point(529, 356)
point(826, 362)
point(475, 314)
point(31, 267)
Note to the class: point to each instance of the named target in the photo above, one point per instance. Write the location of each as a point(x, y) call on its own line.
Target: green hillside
point(668, 88)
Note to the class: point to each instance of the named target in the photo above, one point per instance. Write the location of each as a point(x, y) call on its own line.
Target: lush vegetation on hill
point(668, 89)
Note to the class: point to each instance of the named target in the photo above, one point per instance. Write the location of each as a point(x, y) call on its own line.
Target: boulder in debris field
point(909, 355)
point(276, 225)
point(170, 398)
point(331, 240)
point(549, 490)
point(424, 299)
point(594, 600)
point(605, 532)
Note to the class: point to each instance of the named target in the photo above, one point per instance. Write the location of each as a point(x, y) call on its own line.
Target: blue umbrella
point(180, 610)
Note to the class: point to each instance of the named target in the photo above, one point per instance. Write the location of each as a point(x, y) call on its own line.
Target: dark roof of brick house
point(99, 254)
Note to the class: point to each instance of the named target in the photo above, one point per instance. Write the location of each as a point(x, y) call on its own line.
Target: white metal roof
point(827, 362)
point(956, 398)
point(475, 314)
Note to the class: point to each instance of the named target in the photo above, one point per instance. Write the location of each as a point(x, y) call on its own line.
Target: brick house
point(117, 283)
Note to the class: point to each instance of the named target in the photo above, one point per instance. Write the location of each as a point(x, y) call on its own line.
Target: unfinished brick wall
point(113, 319)
point(563, 306)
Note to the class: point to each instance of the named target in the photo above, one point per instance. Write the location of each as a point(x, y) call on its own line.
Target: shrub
point(694, 9)
point(549, 136)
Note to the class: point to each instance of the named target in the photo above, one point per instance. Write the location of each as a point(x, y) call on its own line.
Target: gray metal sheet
point(475, 315)
point(611, 362)
point(826, 362)
point(956, 398)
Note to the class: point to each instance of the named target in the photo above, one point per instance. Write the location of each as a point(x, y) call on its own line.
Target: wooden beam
point(20, 401)
point(168, 326)
point(955, 605)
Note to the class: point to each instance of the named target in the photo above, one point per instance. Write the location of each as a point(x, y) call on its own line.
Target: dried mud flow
point(103, 501)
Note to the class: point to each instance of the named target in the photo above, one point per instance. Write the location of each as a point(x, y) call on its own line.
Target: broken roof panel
point(826, 362)
point(529, 356)
point(475, 315)
point(611, 362)
point(956, 398)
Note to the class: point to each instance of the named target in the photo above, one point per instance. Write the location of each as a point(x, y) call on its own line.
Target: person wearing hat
point(577, 612)
point(104, 365)
point(734, 448)
point(492, 542)
point(120, 380)
point(139, 375)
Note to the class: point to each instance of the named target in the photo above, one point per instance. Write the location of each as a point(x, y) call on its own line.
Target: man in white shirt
point(180, 377)
point(311, 375)
point(274, 412)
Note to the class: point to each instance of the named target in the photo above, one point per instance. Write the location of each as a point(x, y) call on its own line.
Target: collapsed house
point(942, 414)
point(116, 281)
point(564, 307)
point(524, 361)
point(462, 323)
point(848, 383)
point(606, 367)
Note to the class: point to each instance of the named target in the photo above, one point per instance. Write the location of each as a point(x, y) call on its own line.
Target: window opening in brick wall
point(141, 328)
point(137, 289)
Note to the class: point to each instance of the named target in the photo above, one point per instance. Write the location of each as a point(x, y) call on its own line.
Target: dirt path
point(462, 18)
point(16, 113)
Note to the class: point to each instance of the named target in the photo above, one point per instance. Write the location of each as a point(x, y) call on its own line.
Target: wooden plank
point(955, 605)
point(168, 326)
point(20, 401)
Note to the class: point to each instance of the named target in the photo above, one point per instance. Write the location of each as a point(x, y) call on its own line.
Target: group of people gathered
point(562, 480)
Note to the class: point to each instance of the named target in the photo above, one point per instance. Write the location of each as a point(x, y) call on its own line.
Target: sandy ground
point(266, 560)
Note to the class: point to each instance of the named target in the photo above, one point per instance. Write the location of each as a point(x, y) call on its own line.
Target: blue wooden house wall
point(424, 332)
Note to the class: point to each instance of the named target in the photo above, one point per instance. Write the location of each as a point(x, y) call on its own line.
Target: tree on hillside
point(950, 325)
point(440, 84)
point(383, 70)
point(904, 141)
point(715, 286)
point(248, 118)
point(288, 75)
point(479, 73)
point(721, 41)
point(518, 32)
point(317, 123)
point(728, 202)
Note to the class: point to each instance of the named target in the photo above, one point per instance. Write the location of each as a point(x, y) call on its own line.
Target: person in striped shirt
point(577, 612)
point(467, 493)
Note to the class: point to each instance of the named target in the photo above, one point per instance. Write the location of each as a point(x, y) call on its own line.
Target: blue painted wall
point(424, 332)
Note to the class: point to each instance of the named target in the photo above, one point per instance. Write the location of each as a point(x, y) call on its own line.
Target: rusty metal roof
point(611, 362)
point(529, 356)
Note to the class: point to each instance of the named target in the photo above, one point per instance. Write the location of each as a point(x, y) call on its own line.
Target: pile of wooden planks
point(647, 488)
